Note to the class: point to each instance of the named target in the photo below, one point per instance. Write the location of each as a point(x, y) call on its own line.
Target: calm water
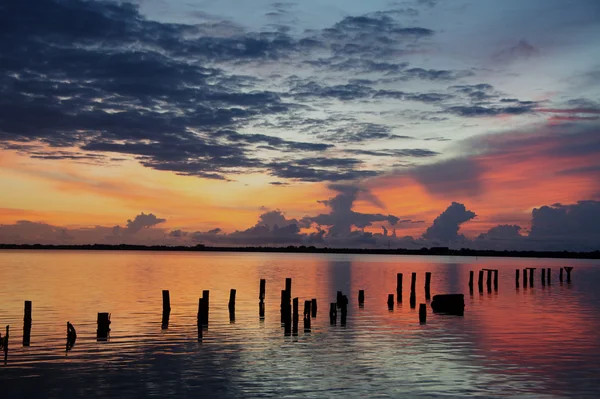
point(534, 342)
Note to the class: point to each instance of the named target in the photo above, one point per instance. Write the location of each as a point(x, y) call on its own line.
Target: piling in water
point(517, 275)
point(568, 270)
point(489, 278)
point(261, 310)
point(200, 318)
point(288, 286)
point(496, 279)
point(524, 278)
point(413, 295)
point(413, 300)
point(261, 293)
point(206, 307)
point(339, 299)
point(543, 276)
point(560, 275)
point(449, 303)
point(313, 307)
point(399, 286)
point(422, 313)
point(361, 297)
point(285, 307)
point(531, 272)
point(427, 285)
point(480, 281)
point(103, 330)
point(4, 343)
point(71, 336)
point(471, 273)
point(344, 310)
point(27, 324)
point(295, 317)
point(166, 309)
point(548, 275)
point(307, 315)
point(413, 282)
point(333, 313)
point(390, 301)
point(231, 305)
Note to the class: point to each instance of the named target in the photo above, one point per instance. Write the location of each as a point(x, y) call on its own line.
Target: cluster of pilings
point(546, 276)
point(490, 273)
point(413, 295)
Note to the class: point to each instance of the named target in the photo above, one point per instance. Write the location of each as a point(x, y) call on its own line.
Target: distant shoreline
point(435, 251)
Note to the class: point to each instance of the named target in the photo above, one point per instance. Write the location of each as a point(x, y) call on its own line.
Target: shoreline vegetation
point(436, 251)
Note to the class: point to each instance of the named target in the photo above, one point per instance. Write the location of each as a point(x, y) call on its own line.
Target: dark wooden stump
point(427, 285)
point(413, 300)
point(471, 273)
point(390, 301)
point(543, 276)
point(27, 324)
point(200, 319)
point(313, 307)
point(103, 331)
point(344, 310)
point(496, 279)
point(288, 286)
point(422, 313)
point(338, 300)
point(517, 275)
point(285, 307)
point(449, 303)
point(361, 297)
point(480, 281)
point(548, 275)
point(71, 336)
point(531, 273)
point(413, 282)
point(524, 278)
point(560, 275)
point(231, 305)
point(262, 290)
point(166, 309)
point(307, 315)
point(4, 342)
point(295, 316)
point(206, 307)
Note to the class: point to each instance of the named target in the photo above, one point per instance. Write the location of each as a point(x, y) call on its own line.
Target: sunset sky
point(329, 123)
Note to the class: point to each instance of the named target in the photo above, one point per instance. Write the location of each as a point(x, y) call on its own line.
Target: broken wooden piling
point(27, 324)
point(103, 331)
point(390, 301)
point(361, 297)
point(307, 315)
point(548, 276)
point(422, 313)
point(71, 336)
point(568, 269)
point(4, 342)
point(531, 273)
point(525, 278)
point(344, 310)
point(427, 285)
point(288, 286)
point(295, 316)
point(543, 277)
point(496, 279)
point(200, 317)
point(413, 295)
point(261, 293)
point(560, 275)
point(206, 307)
point(166, 309)
point(480, 281)
point(313, 307)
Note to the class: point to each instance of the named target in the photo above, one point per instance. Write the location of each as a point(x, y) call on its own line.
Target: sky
point(329, 123)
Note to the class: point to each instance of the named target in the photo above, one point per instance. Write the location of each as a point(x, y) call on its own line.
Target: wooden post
point(344, 310)
point(480, 281)
point(517, 275)
point(166, 309)
point(261, 310)
point(413, 300)
point(543, 276)
point(307, 316)
point(471, 273)
point(4, 342)
point(206, 304)
point(413, 295)
point(531, 272)
point(339, 299)
point(390, 301)
point(399, 286)
point(422, 313)
point(361, 297)
point(261, 294)
point(27, 324)
point(568, 270)
point(489, 278)
point(524, 278)
point(496, 279)
point(200, 320)
point(333, 313)
point(427, 285)
point(71, 336)
point(560, 275)
point(413, 282)
point(103, 326)
point(288, 286)
point(231, 305)
point(313, 307)
point(285, 307)
point(295, 317)
point(548, 275)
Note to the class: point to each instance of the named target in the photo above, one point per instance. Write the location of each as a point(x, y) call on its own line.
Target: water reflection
point(532, 341)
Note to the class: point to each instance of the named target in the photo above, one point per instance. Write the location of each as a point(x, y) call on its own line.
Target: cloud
point(523, 50)
point(448, 178)
point(445, 227)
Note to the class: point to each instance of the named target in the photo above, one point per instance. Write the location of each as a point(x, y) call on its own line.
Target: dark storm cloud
point(445, 227)
point(482, 111)
point(449, 178)
point(360, 132)
point(323, 170)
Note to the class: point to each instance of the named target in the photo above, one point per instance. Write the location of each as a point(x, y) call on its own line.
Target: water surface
point(526, 342)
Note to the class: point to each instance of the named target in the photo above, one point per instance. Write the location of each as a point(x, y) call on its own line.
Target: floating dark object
point(27, 324)
point(71, 336)
point(449, 303)
point(103, 331)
